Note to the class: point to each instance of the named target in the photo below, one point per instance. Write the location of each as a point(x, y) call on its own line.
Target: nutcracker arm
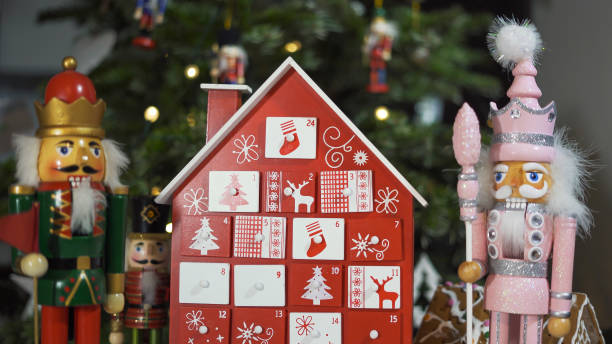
point(564, 237)
point(161, 6)
point(475, 269)
point(20, 228)
point(115, 233)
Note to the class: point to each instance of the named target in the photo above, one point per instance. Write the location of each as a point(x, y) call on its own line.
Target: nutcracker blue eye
point(96, 151)
point(138, 249)
point(534, 177)
point(499, 176)
point(64, 150)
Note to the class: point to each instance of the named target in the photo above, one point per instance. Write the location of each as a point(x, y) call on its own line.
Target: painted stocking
point(290, 138)
point(317, 240)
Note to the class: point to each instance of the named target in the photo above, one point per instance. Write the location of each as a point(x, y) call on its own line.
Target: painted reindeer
point(384, 295)
point(299, 199)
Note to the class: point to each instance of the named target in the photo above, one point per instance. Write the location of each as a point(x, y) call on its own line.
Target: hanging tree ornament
point(231, 60)
point(149, 13)
point(377, 49)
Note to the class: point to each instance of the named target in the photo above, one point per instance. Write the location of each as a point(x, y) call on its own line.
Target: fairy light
point(169, 228)
point(151, 114)
point(192, 71)
point(293, 46)
point(381, 113)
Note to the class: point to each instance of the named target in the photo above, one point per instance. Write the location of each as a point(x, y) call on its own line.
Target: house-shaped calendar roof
point(289, 65)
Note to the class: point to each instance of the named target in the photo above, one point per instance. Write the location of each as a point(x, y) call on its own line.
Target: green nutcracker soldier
point(68, 212)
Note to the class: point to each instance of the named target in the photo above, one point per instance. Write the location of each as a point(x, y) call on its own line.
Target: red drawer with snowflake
point(291, 220)
point(255, 325)
point(204, 325)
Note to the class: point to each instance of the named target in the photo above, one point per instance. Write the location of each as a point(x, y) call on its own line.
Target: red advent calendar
point(289, 226)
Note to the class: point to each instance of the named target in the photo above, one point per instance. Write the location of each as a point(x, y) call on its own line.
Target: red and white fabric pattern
point(273, 191)
point(259, 237)
point(346, 191)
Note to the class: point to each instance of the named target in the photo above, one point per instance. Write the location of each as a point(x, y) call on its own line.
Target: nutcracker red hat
point(71, 106)
point(522, 130)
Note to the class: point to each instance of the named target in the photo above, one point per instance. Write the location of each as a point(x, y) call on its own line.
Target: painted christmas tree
point(233, 195)
point(316, 288)
point(204, 239)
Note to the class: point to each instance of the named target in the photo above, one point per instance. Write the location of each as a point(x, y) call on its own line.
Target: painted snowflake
point(196, 202)
point(361, 245)
point(194, 320)
point(247, 149)
point(247, 334)
point(305, 325)
point(360, 158)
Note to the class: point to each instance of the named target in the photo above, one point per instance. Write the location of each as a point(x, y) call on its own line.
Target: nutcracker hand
point(138, 13)
point(115, 338)
point(241, 80)
point(559, 327)
point(34, 265)
point(386, 56)
point(159, 19)
point(114, 303)
point(469, 272)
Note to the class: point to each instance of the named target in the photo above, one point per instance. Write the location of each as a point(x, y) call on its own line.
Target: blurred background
point(439, 60)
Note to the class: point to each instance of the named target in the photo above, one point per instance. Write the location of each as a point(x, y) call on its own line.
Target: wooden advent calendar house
point(289, 226)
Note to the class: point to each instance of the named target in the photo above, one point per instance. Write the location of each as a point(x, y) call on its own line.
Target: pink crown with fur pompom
point(522, 130)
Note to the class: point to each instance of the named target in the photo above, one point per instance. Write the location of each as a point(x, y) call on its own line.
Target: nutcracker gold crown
point(81, 118)
point(71, 106)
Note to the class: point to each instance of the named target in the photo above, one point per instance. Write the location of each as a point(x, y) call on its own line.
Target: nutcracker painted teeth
point(147, 278)
point(68, 211)
point(530, 185)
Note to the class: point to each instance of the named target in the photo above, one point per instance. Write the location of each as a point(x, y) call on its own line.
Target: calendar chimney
point(223, 101)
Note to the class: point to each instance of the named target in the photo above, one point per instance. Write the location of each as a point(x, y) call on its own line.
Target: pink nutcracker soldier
point(529, 191)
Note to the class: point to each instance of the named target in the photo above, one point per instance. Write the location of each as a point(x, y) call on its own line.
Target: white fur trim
point(570, 175)
point(116, 163)
point(85, 200)
point(511, 41)
point(27, 149)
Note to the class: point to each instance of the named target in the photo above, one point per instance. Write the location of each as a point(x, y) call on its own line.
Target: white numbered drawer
point(259, 285)
point(233, 191)
point(204, 283)
point(374, 287)
point(315, 328)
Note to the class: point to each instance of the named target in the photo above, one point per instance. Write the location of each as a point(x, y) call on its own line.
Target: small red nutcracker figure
point(69, 210)
point(531, 189)
point(231, 59)
point(147, 278)
point(148, 13)
point(377, 49)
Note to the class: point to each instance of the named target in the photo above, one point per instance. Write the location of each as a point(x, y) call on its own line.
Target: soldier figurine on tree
point(68, 211)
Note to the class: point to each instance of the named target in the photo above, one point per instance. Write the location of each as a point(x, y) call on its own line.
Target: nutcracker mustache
point(525, 190)
point(73, 168)
point(145, 261)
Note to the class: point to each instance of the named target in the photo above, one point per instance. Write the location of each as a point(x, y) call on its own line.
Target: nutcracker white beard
point(148, 284)
point(85, 200)
point(512, 228)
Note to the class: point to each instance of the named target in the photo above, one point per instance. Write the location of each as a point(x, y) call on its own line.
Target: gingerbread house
point(289, 226)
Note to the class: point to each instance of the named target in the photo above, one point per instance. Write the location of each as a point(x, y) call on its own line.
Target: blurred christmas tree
point(438, 59)
point(433, 65)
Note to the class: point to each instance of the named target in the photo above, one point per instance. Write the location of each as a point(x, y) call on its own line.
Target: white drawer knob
point(317, 284)
point(203, 329)
point(318, 239)
point(373, 334)
point(316, 334)
point(374, 240)
point(290, 137)
point(347, 192)
point(233, 191)
point(259, 286)
point(288, 191)
point(259, 237)
point(258, 329)
point(204, 284)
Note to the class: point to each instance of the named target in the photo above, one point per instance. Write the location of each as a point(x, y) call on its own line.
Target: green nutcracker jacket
point(83, 268)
